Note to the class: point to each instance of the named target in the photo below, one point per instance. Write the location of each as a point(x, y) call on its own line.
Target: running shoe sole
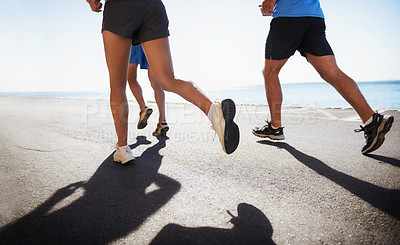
point(118, 159)
point(143, 123)
point(163, 132)
point(231, 131)
point(382, 130)
point(272, 137)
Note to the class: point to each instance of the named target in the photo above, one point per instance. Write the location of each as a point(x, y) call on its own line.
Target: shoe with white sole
point(375, 132)
point(123, 154)
point(268, 132)
point(221, 115)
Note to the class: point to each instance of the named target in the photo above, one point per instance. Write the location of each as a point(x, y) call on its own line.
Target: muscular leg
point(159, 56)
point(273, 89)
point(329, 71)
point(158, 95)
point(117, 56)
point(135, 86)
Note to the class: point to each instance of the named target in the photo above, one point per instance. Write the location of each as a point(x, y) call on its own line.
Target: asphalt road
point(59, 184)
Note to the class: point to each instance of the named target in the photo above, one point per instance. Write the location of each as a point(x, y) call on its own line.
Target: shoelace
point(268, 125)
point(366, 136)
point(359, 130)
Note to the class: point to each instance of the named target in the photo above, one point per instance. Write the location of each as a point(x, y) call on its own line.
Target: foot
point(268, 132)
point(162, 129)
point(221, 115)
point(143, 116)
point(374, 132)
point(123, 154)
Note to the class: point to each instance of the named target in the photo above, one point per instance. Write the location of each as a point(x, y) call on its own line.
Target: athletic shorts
point(304, 34)
point(139, 20)
point(138, 57)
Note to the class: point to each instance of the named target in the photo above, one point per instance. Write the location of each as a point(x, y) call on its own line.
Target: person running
point(146, 23)
point(139, 58)
point(300, 25)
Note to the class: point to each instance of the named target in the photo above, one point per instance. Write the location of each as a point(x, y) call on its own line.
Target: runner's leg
point(159, 57)
point(135, 86)
point(329, 71)
point(117, 57)
point(273, 89)
point(159, 95)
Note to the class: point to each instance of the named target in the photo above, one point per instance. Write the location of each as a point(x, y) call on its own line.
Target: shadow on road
point(387, 200)
point(389, 160)
point(115, 201)
point(251, 226)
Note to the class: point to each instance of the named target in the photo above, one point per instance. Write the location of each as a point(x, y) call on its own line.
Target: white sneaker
point(221, 115)
point(123, 154)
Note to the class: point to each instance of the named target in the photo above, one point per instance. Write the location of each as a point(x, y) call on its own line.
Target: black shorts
point(288, 34)
point(139, 20)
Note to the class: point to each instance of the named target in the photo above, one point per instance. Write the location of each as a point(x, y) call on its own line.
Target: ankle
point(275, 125)
point(120, 145)
point(368, 120)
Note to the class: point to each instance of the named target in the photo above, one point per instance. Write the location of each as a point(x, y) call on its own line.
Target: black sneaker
point(374, 132)
point(162, 129)
point(268, 132)
point(143, 116)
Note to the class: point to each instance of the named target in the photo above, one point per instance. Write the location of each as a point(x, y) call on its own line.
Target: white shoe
point(123, 154)
point(221, 115)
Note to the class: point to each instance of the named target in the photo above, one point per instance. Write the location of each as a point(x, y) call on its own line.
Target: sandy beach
point(59, 184)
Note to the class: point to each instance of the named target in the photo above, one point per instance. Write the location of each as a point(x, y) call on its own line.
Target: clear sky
point(53, 45)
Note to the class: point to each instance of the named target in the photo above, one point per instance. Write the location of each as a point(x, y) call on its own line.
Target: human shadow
point(251, 226)
point(387, 200)
point(116, 200)
point(389, 160)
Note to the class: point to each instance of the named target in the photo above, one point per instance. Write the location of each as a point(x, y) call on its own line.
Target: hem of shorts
point(272, 58)
point(301, 53)
point(151, 39)
point(318, 55)
point(140, 65)
point(115, 33)
point(144, 67)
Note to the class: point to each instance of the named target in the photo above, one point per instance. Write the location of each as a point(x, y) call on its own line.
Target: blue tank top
point(297, 8)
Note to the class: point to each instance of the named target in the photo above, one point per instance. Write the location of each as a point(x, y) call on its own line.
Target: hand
point(267, 7)
point(95, 5)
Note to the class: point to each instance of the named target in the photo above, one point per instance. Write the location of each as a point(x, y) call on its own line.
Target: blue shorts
point(138, 57)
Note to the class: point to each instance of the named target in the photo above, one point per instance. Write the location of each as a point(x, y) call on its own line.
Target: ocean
point(380, 95)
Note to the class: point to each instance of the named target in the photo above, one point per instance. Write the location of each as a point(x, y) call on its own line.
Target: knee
point(118, 95)
point(154, 83)
point(132, 79)
point(269, 73)
point(325, 75)
point(167, 82)
point(270, 77)
point(118, 85)
point(330, 75)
